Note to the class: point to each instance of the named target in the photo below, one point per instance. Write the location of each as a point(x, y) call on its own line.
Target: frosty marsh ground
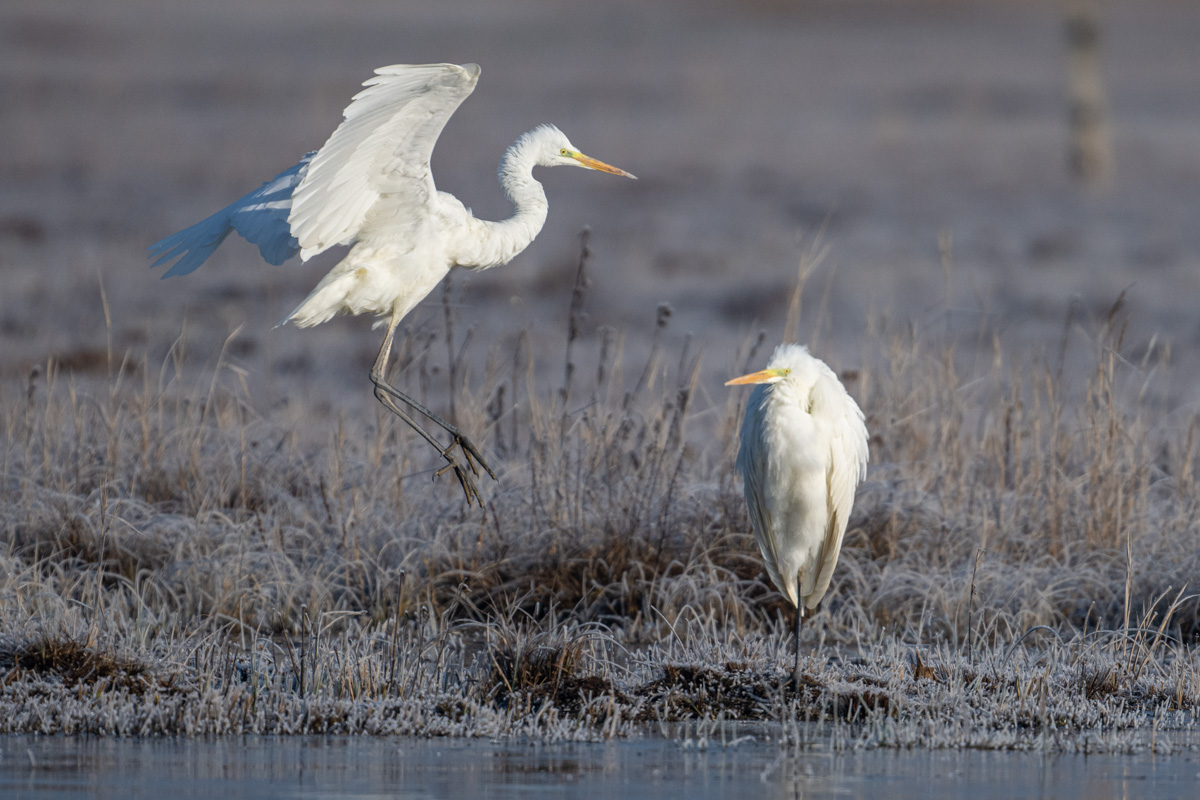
point(1015, 574)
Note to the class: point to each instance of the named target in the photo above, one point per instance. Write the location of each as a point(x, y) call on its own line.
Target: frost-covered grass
point(1017, 571)
point(562, 680)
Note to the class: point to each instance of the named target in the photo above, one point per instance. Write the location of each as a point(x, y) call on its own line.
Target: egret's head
point(554, 149)
point(788, 361)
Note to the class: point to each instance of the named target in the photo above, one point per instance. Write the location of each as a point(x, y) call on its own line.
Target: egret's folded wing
point(847, 468)
point(752, 462)
point(260, 217)
point(382, 147)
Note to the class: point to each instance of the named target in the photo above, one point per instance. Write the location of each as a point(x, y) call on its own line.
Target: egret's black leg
point(796, 663)
point(460, 438)
point(387, 394)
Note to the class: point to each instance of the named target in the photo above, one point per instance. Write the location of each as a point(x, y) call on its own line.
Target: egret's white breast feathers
point(803, 451)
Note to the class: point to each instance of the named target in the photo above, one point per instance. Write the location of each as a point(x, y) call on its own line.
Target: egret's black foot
point(797, 683)
point(465, 479)
point(389, 395)
point(470, 453)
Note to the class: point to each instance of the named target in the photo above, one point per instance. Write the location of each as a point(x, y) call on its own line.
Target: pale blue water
point(349, 767)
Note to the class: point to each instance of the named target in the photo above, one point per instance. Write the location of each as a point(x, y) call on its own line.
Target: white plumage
point(370, 187)
point(803, 452)
point(381, 149)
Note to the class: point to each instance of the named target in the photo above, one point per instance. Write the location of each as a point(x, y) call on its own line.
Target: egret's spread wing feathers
point(260, 216)
point(382, 147)
point(847, 467)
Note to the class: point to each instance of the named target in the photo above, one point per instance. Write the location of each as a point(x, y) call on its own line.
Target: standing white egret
point(370, 186)
point(803, 451)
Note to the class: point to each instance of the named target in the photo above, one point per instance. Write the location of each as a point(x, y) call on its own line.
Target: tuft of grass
point(72, 662)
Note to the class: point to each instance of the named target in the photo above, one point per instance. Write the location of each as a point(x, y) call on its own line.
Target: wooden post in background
point(1090, 154)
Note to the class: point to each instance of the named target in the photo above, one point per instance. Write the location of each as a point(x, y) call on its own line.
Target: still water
point(359, 767)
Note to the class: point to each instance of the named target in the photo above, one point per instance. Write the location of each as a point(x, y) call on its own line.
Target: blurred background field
point(923, 143)
point(186, 487)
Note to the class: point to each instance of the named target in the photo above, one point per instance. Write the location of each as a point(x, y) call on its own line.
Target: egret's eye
point(562, 152)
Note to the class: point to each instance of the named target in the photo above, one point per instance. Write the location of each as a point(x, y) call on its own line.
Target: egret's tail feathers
point(325, 302)
point(260, 217)
point(790, 587)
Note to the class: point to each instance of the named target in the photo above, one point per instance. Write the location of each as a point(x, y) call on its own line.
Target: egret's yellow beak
point(591, 163)
point(762, 376)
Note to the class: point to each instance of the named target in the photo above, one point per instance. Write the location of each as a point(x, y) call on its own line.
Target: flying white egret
point(803, 451)
point(370, 187)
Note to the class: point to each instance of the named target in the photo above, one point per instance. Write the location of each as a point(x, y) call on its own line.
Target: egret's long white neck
point(508, 237)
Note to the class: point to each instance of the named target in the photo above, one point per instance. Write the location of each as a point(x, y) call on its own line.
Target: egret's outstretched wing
point(260, 216)
point(382, 147)
point(848, 454)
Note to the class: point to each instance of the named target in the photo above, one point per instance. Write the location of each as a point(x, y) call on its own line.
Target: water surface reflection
point(350, 767)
